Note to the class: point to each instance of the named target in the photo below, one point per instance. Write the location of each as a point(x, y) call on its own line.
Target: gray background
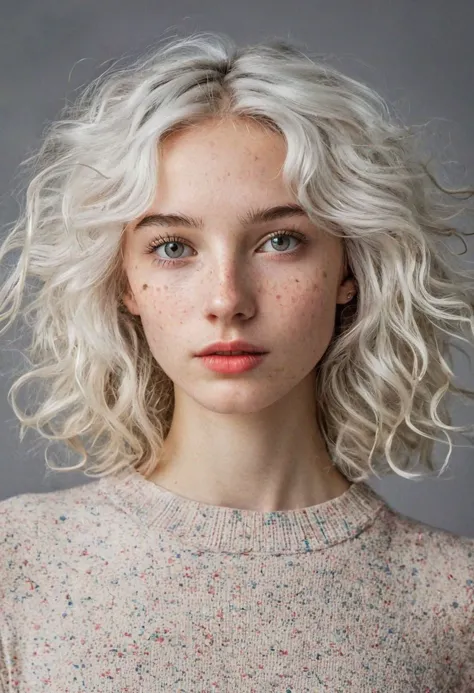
point(418, 54)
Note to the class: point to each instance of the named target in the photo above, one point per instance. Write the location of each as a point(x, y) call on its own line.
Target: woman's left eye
point(280, 240)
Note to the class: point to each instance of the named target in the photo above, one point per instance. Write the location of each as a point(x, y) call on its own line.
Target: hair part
point(383, 381)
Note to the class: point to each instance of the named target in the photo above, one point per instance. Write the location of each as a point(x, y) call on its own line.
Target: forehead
point(228, 143)
point(223, 163)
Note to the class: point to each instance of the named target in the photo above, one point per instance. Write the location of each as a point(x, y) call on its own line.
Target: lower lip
point(232, 364)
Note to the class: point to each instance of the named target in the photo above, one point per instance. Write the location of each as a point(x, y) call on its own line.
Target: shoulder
point(424, 542)
point(29, 513)
point(436, 565)
point(418, 543)
point(42, 530)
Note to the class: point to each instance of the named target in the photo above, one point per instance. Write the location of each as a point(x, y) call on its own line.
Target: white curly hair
point(382, 382)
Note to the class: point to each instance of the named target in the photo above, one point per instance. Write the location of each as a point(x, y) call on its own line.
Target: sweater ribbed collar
point(223, 529)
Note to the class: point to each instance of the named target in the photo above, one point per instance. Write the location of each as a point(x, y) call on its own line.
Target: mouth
point(236, 347)
point(232, 362)
point(235, 353)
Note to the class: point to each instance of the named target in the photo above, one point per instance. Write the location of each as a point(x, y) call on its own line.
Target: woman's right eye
point(170, 247)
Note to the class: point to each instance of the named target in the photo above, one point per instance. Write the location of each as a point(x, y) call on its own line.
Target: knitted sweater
point(121, 586)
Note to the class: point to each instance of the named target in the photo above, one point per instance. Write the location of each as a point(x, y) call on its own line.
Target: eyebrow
point(253, 216)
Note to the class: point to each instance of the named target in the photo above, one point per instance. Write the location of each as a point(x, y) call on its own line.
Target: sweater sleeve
point(17, 536)
point(3, 685)
point(467, 671)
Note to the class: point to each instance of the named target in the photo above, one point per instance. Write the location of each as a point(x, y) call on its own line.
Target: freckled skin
point(233, 283)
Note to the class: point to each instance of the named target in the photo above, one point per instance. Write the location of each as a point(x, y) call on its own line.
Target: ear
point(348, 286)
point(347, 283)
point(129, 301)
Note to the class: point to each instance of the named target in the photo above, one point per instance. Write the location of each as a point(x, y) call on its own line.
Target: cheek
point(303, 302)
point(307, 316)
point(162, 306)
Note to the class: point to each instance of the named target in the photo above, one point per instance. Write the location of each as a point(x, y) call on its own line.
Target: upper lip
point(238, 345)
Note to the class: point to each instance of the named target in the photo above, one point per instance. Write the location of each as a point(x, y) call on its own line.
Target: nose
point(229, 291)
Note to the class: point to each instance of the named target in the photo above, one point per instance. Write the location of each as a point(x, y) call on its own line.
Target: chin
point(237, 401)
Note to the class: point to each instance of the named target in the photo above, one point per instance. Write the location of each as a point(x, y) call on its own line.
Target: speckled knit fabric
point(120, 586)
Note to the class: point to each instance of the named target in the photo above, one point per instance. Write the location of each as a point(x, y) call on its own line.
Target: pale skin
point(247, 440)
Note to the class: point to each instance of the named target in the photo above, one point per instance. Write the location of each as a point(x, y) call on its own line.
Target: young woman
point(239, 316)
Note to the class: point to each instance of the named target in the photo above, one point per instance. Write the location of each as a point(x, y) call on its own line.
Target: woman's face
point(227, 280)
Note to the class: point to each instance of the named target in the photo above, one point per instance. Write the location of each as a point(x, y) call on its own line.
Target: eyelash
point(160, 240)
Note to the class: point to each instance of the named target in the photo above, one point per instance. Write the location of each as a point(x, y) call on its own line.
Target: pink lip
point(236, 345)
point(232, 364)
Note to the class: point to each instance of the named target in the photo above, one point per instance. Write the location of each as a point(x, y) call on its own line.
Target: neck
point(273, 459)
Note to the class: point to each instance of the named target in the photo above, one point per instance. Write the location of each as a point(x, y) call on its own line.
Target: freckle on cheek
point(145, 287)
